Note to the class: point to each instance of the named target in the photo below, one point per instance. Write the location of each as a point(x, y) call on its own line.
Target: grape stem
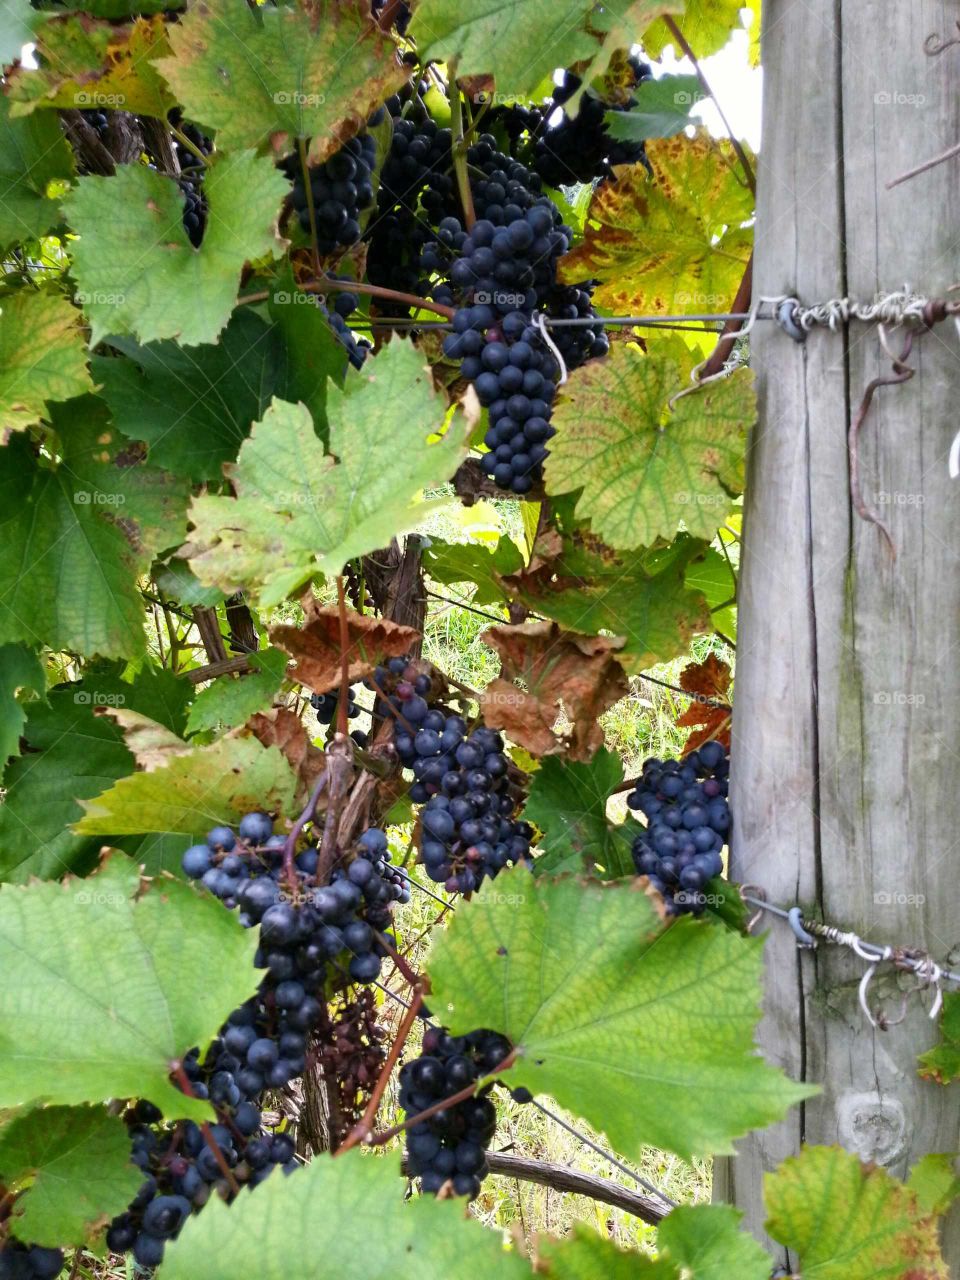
point(378, 1139)
point(186, 1087)
point(289, 870)
point(362, 1131)
point(324, 284)
point(705, 86)
point(460, 152)
point(412, 978)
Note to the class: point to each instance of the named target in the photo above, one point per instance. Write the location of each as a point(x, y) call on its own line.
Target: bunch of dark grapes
point(341, 188)
point(469, 832)
point(181, 1170)
point(194, 210)
point(326, 704)
point(191, 176)
point(100, 121)
point(576, 343)
point(28, 1261)
point(449, 1147)
point(578, 148)
point(688, 821)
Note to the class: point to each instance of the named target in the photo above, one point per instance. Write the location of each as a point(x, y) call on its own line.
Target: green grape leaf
point(20, 668)
point(74, 755)
point(279, 73)
point(90, 65)
point(706, 1243)
point(137, 271)
point(706, 25)
point(935, 1182)
point(17, 20)
point(673, 244)
point(711, 575)
point(232, 700)
point(179, 583)
point(587, 587)
point(195, 408)
point(434, 1238)
point(298, 513)
point(641, 472)
point(584, 1255)
point(586, 982)
point(942, 1063)
point(78, 534)
point(568, 802)
point(488, 38)
point(100, 995)
point(201, 788)
point(42, 357)
point(74, 1169)
point(662, 108)
point(452, 562)
point(850, 1221)
point(33, 153)
point(698, 1242)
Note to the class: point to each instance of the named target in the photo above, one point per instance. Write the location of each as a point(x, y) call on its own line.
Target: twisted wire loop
point(900, 308)
point(914, 960)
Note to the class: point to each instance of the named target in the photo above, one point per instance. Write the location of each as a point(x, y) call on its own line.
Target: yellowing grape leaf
point(299, 513)
point(72, 1168)
point(942, 1063)
point(85, 64)
point(199, 789)
point(671, 244)
point(33, 153)
point(276, 73)
point(587, 587)
point(850, 1221)
point(557, 669)
point(584, 980)
point(76, 535)
point(42, 357)
point(706, 25)
point(642, 470)
point(136, 269)
point(101, 996)
point(426, 1238)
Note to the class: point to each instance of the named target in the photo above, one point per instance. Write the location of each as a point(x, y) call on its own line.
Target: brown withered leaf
point(559, 669)
point(280, 727)
point(709, 683)
point(316, 646)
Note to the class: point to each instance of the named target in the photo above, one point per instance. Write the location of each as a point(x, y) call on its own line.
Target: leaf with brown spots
point(42, 358)
point(588, 588)
point(316, 646)
point(273, 74)
point(709, 684)
point(561, 672)
point(282, 728)
point(90, 64)
point(850, 1221)
point(942, 1062)
point(641, 471)
point(671, 244)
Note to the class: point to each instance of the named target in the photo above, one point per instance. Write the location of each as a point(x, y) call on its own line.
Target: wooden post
point(846, 755)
